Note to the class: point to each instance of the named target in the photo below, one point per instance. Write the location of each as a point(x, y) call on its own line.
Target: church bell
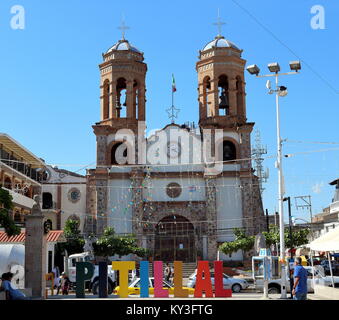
point(223, 101)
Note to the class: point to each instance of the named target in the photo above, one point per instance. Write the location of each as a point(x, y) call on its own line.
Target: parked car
point(274, 285)
point(325, 264)
point(134, 287)
point(231, 283)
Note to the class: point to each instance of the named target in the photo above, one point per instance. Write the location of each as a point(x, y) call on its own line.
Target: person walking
point(167, 272)
point(65, 283)
point(300, 281)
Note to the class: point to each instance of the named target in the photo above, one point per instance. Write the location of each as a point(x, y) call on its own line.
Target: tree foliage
point(246, 243)
point(6, 220)
point(110, 244)
point(241, 242)
point(75, 241)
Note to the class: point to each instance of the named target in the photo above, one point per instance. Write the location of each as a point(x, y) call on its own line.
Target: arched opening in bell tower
point(206, 90)
point(136, 98)
point(119, 154)
point(121, 98)
point(223, 95)
point(229, 151)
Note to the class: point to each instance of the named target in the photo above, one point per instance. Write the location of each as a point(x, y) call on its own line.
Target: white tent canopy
point(328, 242)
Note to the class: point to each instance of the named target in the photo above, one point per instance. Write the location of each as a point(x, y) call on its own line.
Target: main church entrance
point(174, 240)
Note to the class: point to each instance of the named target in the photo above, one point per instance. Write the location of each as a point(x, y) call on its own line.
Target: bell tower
point(123, 74)
point(221, 84)
point(122, 99)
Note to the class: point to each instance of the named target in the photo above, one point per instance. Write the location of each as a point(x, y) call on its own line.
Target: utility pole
point(267, 222)
point(304, 203)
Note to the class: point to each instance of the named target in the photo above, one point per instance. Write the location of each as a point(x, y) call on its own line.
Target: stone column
point(211, 217)
point(129, 99)
point(101, 150)
point(113, 100)
point(232, 95)
point(101, 205)
point(141, 103)
point(35, 251)
point(214, 105)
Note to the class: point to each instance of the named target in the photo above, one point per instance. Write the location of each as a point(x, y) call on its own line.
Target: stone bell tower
point(222, 106)
point(221, 84)
point(122, 109)
point(122, 99)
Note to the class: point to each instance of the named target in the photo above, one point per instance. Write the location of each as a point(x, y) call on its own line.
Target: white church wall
point(119, 208)
point(229, 211)
point(192, 189)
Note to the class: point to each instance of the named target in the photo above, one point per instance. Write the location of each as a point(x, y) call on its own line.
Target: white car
point(229, 283)
point(274, 285)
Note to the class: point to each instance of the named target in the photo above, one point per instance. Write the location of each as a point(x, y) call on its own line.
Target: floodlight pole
point(280, 197)
point(280, 187)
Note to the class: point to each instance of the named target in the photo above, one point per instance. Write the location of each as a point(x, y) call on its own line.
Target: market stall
point(328, 243)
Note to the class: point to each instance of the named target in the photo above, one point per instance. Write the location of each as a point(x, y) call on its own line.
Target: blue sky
point(49, 78)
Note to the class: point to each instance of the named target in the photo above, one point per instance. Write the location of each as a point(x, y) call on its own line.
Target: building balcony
point(334, 207)
point(21, 200)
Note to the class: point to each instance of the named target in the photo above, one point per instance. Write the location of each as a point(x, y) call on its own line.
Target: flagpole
point(172, 100)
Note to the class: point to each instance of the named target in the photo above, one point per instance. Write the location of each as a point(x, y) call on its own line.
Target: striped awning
point(52, 236)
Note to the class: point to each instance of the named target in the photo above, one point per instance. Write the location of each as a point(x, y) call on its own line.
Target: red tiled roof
point(53, 236)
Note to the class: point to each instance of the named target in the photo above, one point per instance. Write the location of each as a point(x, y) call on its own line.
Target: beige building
point(20, 174)
point(162, 188)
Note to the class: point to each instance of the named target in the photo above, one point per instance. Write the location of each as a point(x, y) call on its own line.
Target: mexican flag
point(174, 88)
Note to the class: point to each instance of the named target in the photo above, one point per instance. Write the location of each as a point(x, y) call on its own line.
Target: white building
point(63, 196)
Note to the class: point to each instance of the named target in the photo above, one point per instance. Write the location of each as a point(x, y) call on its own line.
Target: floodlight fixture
point(295, 65)
point(282, 91)
point(274, 67)
point(253, 69)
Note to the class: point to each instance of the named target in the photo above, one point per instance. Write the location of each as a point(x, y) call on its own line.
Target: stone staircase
point(187, 268)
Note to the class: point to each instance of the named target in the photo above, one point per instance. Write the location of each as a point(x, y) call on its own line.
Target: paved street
point(235, 296)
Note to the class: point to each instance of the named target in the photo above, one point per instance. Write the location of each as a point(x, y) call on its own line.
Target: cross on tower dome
point(219, 24)
point(123, 28)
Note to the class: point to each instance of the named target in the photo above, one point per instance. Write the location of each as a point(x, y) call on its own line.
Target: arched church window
point(106, 99)
point(121, 98)
point(240, 101)
point(228, 151)
point(119, 154)
point(206, 90)
point(223, 95)
point(47, 200)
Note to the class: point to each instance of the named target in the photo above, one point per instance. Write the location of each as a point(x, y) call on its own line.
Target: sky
point(49, 77)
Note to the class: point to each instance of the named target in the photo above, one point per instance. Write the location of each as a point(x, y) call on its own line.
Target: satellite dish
point(268, 84)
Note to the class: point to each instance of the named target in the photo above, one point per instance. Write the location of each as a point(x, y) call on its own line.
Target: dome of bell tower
point(220, 42)
point(123, 45)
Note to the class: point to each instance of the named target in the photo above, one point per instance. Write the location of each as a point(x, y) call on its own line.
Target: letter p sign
point(84, 271)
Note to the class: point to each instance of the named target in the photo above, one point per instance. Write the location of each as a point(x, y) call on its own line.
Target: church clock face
point(173, 150)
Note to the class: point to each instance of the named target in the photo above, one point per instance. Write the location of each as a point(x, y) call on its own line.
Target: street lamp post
point(280, 91)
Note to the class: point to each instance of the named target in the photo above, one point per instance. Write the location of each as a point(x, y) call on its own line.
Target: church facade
point(182, 190)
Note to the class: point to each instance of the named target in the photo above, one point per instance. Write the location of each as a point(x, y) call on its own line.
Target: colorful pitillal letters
point(84, 271)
